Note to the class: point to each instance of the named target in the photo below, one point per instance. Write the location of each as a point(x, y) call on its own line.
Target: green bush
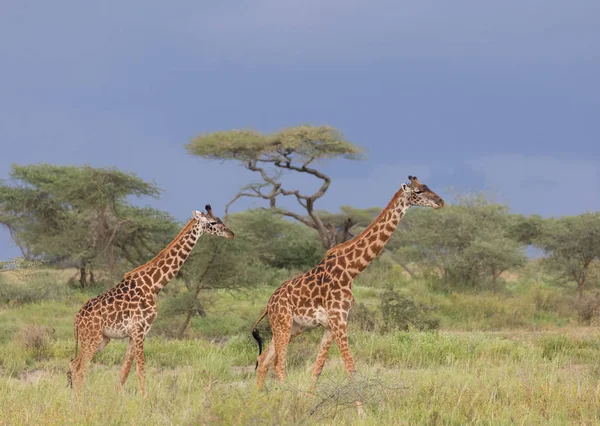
point(36, 339)
point(363, 318)
point(400, 312)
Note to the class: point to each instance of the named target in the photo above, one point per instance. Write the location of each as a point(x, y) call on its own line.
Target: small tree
point(572, 243)
point(467, 244)
point(294, 149)
point(80, 214)
point(244, 262)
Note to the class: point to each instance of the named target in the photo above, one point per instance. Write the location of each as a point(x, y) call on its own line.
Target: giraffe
point(129, 308)
point(323, 295)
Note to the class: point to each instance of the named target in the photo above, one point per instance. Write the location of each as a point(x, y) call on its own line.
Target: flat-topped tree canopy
point(291, 149)
point(301, 143)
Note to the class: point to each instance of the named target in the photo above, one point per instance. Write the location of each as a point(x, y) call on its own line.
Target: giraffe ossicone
point(128, 310)
point(323, 295)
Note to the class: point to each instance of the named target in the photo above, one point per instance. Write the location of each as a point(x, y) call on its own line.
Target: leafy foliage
point(572, 244)
point(316, 142)
point(465, 245)
point(291, 150)
point(81, 214)
point(400, 312)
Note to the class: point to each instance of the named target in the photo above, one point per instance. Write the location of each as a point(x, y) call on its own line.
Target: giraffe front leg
point(127, 364)
point(338, 326)
point(338, 323)
point(138, 350)
point(326, 342)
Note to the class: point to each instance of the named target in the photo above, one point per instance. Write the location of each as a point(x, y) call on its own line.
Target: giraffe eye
point(213, 223)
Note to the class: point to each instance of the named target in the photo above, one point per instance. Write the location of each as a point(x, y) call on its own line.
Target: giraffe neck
point(353, 256)
point(164, 266)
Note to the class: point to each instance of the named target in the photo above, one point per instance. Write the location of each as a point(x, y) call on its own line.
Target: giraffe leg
point(102, 345)
point(339, 328)
point(127, 364)
point(326, 342)
point(282, 335)
point(264, 363)
point(265, 360)
point(88, 346)
point(138, 350)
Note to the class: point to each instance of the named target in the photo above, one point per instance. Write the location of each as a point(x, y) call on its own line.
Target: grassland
point(517, 357)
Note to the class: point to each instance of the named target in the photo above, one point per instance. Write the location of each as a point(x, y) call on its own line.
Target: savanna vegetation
point(454, 322)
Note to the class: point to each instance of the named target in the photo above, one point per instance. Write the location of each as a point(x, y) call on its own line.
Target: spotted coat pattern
point(323, 295)
point(128, 310)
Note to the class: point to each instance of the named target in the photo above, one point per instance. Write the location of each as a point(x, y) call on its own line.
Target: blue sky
point(485, 96)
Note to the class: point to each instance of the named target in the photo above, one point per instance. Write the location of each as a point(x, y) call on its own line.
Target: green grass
point(517, 357)
point(404, 378)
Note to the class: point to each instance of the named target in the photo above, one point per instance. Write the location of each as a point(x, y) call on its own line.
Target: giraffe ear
point(197, 214)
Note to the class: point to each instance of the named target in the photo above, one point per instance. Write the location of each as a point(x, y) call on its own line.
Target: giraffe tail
point(256, 334)
point(69, 373)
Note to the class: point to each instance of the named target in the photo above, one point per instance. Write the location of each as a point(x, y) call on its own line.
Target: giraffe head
point(419, 194)
point(208, 223)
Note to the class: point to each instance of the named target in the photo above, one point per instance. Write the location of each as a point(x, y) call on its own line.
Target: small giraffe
point(323, 295)
point(129, 309)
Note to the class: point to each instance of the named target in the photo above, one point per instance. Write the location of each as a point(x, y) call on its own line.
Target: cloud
point(543, 185)
point(529, 30)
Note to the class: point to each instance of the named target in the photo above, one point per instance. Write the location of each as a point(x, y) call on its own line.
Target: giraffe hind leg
point(78, 367)
point(282, 336)
point(127, 363)
point(264, 364)
point(266, 359)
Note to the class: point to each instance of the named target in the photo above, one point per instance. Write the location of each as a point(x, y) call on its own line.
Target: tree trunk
point(580, 278)
point(201, 310)
point(186, 322)
point(82, 274)
point(580, 289)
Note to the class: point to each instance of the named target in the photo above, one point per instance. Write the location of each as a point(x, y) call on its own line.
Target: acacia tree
point(468, 244)
point(294, 149)
point(80, 214)
point(572, 244)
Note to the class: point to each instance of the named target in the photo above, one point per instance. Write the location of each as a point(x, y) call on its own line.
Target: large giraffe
point(323, 295)
point(129, 309)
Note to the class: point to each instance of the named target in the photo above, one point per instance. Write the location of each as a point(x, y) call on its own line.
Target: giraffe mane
point(336, 249)
point(187, 227)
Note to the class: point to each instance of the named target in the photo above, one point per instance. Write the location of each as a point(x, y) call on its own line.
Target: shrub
point(400, 312)
point(363, 317)
point(36, 339)
point(588, 309)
